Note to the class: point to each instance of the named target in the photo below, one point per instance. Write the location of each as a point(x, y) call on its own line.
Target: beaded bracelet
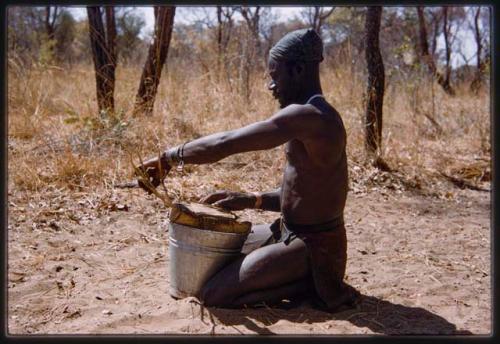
point(180, 157)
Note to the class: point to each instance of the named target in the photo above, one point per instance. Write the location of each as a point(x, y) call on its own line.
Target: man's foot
point(348, 298)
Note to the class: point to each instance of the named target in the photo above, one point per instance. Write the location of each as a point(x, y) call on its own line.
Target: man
point(308, 247)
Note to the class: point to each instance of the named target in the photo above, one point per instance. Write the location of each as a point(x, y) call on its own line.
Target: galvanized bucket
point(197, 254)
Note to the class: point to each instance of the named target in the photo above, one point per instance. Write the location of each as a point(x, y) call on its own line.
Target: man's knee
point(213, 296)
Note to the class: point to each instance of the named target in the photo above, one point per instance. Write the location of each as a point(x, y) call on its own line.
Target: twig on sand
point(212, 331)
point(435, 279)
point(202, 313)
point(127, 185)
point(462, 183)
point(237, 329)
point(202, 309)
point(83, 260)
point(270, 310)
point(361, 314)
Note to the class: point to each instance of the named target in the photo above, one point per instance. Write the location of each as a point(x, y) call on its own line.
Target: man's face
point(283, 83)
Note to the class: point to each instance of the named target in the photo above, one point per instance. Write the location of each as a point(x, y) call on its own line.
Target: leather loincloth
point(327, 253)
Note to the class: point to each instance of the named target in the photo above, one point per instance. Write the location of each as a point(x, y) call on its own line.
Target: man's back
point(314, 185)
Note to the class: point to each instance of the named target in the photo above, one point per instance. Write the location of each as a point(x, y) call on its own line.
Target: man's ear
point(299, 68)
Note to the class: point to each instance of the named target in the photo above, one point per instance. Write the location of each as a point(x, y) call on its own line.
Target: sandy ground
point(421, 263)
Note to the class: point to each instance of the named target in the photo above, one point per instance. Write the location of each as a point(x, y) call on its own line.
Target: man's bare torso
point(314, 188)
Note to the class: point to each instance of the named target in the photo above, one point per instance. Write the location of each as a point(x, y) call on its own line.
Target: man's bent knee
point(212, 296)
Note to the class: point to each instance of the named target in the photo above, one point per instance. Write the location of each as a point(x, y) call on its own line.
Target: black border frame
point(495, 245)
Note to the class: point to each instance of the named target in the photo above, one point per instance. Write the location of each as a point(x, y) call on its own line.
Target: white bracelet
point(258, 200)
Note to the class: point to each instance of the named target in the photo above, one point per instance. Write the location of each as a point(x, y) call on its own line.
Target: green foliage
point(105, 122)
point(65, 36)
point(46, 55)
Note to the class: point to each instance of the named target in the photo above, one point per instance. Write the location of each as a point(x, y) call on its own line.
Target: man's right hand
point(230, 200)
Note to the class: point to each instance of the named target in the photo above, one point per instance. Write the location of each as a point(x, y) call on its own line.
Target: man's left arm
point(293, 122)
point(290, 123)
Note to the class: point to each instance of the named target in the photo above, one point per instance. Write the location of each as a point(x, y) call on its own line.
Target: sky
point(187, 14)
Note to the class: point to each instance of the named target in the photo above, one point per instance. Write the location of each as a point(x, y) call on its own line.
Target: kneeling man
point(307, 248)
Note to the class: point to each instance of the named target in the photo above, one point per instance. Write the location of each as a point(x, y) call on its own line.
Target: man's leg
point(257, 237)
point(268, 273)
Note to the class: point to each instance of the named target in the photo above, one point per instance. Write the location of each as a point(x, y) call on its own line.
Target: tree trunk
point(476, 83)
point(446, 32)
point(103, 56)
point(157, 55)
point(50, 21)
point(111, 33)
point(224, 28)
point(435, 22)
point(251, 48)
point(219, 39)
point(320, 18)
point(51, 14)
point(253, 20)
point(426, 57)
point(376, 79)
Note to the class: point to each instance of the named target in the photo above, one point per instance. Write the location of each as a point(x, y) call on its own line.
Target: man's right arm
point(271, 200)
point(244, 200)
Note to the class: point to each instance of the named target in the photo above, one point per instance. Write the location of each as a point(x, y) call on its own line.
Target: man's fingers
point(144, 187)
point(214, 197)
point(224, 203)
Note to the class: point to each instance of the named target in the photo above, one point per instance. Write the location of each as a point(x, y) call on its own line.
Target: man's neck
point(308, 94)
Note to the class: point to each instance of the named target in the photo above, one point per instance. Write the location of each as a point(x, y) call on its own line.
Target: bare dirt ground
point(85, 257)
point(422, 264)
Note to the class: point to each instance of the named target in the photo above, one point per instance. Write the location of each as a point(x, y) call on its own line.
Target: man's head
point(293, 62)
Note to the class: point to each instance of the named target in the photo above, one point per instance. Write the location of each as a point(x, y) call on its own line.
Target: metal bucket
point(197, 254)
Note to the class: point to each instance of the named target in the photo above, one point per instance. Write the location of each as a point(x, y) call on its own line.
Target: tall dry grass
point(56, 137)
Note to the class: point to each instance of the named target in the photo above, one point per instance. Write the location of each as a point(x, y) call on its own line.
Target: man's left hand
point(155, 169)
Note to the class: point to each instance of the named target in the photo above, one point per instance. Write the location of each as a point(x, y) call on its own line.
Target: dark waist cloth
point(327, 253)
point(287, 232)
point(314, 228)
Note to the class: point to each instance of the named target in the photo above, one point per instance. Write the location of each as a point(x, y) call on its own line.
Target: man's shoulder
point(326, 116)
point(309, 122)
point(299, 111)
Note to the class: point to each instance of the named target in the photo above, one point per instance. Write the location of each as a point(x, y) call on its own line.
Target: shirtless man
point(308, 247)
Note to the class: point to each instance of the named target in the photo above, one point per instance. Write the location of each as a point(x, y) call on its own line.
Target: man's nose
point(271, 86)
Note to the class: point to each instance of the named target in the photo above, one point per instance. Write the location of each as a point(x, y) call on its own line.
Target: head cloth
point(300, 45)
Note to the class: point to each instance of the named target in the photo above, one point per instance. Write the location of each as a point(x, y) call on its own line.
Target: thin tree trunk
point(376, 79)
point(102, 54)
point(426, 57)
point(219, 40)
point(436, 20)
point(111, 32)
point(224, 27)
point(157, 55)
point(320, 18)
point(50, 21)
point(476, 83)
point(446, 32)
point(111, 50)
point(50, 26)
point(316, 21)
point(253, 21)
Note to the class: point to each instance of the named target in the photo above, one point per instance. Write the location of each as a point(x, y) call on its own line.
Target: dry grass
point(56, 136)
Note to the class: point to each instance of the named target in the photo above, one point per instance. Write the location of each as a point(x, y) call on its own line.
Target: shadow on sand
point(378, 315)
